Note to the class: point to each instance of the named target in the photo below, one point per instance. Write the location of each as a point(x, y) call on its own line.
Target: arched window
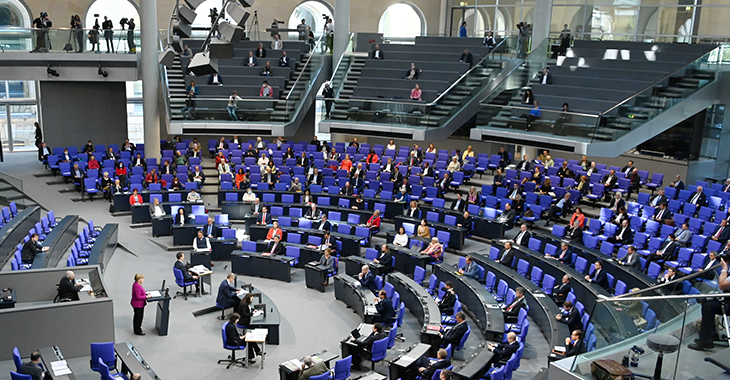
point(402, 20)
point(14, 13)
point(311, 11)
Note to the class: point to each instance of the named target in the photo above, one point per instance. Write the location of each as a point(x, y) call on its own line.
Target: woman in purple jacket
point(139, 300)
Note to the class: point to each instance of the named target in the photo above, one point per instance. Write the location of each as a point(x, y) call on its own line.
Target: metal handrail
point(465, 74)
point(334, 68)
point(541, 109)
point(305, 66)
point(655, 83)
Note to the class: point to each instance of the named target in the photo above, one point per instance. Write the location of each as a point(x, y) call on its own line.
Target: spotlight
point(51, 72)
point(102, 72)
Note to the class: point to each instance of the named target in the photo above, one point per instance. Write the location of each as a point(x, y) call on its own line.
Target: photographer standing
point(40, 25)
point(108, 26)
point(329, 30)
point(130, 36)
point(94, 38)
point(710, 308)
point(78, 32)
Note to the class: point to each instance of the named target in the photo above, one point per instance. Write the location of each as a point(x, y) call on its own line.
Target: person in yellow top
point(467, 153)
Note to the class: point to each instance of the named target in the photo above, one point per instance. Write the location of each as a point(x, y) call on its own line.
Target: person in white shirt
point(277, 44)
point(391, 145)
point(263, 162)
point(232, 104)
point(401, 239)
point(193, 196)
point(249, 196)
point(201, 243)
point(156, 210)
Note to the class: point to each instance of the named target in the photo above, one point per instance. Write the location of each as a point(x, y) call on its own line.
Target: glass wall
point(402, 20)
point(684, 21)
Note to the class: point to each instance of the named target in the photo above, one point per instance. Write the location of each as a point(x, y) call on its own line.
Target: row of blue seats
point(42, 228)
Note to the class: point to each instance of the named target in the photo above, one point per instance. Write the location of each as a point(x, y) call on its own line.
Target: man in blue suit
point(367, 280)
point(227, 294)
point(470, 269)
point(384, 306)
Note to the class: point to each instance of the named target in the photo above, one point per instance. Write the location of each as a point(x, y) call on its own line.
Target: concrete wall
point(74, 112)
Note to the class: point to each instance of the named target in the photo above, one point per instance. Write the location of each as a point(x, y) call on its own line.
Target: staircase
point(176, 86)
point(281, 114)
point(346, 80)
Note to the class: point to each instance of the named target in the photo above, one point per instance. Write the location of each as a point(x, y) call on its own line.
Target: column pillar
point(541, 25)
point(342, 29)
point(150, 78)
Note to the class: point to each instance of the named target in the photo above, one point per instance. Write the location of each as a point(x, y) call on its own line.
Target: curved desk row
point(613, 323)
point(485, 227)
point(270, 319)
point(362, 301)
point(542, 308)
point(104, 246)
point(476, 301)
point(421, 305)
point(457, 234)
point(633, 278)
point(58, 242)
point(350, 243)
point(15, 230)
point(392, 208)
point(141, 213)
point(121, 200)
point(239, 210)
point(254, 264)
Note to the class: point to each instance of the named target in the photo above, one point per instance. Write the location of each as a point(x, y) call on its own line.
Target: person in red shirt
point(374, 221)
point(372, 157)
point(135, 198)
point(152, 177)
point(93, 163)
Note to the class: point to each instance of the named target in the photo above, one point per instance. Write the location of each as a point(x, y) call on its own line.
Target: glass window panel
point(400, 20)
point(22, 118)
point(4, 128)
point(21, 89)
point(135, 122)
point(573, 16)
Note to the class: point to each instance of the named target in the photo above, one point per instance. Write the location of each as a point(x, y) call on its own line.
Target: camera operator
point(107, 26)
point(78, 32)
point(329, 30)
point(710, 308)
point(40, 25)
point(213, 15)
point(130, 36)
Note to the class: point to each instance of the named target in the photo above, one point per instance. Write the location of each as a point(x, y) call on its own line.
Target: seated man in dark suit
point(227, 294)
point(513, 309)
point(623, 234)
point(666, 252)
point(426, 368)
point(377, 53)
point(661, 214)
point(507, 254)
point(385, 258)
point(523, 237)
point(503, 351)
point(574, 232)
point(67, 288)
point(571, 316)
point(264, 217)
point(698, 198)
point(458, 204)
point(561, 290)
point(457, 332)
point(467, 57)
point(631, 259)
point(508, 216)
point(384, 306)
point(33, 367)
point(366, 346)
point(469, 269)
point(446, 306)
point(367, 280)
point(599, 276)
point(31, 248)
point(324, 224)
point(668, 277)
point(189, 277)
point(465, 221)
point(721, 233)
point(275, 247)
point(574, 344)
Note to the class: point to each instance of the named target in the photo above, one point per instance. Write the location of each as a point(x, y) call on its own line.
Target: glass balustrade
point(68, 40)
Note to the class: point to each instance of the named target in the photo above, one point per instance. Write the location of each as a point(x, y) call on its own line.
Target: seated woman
point(289, 153)
point(346, 163)
point(328, 262)
point(374, 221)
point(472, 197)
point(307, 198)
point(583, 185)
point(241, 180)
point(423, 230)
point(536, 175)
point(176, 184)
point(401, 239)
point(233, 338)
point(435, 250)
point(180, 218)
point(249, 196)
point(579, 217)
point(274, 230)
point(152, 177)
point(547, 187)
point(263, 162)
point(372, 157)
point(416, 92)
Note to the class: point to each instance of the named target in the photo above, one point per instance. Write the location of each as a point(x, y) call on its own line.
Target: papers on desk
point(60, 368)
point(293, 365)
point(199, 269)
point(370, 310)
point(155, 293)
point(257, 335)
point(559, 349)
point(85, 285)
point(258, 313)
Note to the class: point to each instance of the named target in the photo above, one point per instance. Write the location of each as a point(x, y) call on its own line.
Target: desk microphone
point(225, 266)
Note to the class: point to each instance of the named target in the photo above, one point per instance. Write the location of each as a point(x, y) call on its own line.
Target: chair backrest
point(17, 376)
point(464, 338)
point(391, 336)
point(379, 350)
point(105, 352)
point(104, 370)
point(179, 277)
point(16, 358)
point(342, 368)
point(548, 282)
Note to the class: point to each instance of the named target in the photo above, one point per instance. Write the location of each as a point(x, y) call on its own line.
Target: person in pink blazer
point(139, 300)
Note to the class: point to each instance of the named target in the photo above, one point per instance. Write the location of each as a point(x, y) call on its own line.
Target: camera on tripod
point(325, 17)
point(123, 22)
point(213, 12)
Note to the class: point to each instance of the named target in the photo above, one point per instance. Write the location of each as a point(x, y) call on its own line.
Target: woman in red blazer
point(139, 300)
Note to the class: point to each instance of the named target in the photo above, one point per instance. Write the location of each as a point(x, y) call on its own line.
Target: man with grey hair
point(503, 351)
point(310, 368)
point(67, 288)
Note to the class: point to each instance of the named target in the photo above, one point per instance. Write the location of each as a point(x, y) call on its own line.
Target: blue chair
point(233, 349)
point(324, 376)
point(180, 281)
point(105, 374)
point(342, 368)
point(17, 376)
point(463, 339)
point(379, 352)
point(419, 274)
point(391, 336)
point(105, 352)
point(16, 358)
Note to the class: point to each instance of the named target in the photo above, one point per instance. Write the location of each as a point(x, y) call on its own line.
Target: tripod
point(119, 39)
point(255, 25)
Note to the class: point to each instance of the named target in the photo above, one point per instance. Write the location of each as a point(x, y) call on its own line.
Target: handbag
point(610, 370)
